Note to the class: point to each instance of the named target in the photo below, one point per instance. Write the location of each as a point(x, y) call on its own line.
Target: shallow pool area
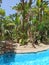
point(39, 58)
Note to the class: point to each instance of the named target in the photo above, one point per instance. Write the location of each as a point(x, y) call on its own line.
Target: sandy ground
point(30, 48)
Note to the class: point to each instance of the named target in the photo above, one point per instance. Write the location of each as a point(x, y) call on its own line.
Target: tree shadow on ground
point(8, 58)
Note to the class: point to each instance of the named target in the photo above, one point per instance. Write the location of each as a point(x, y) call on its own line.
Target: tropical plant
point(2, 19)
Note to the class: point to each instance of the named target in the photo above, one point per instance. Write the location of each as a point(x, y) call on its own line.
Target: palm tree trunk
point(23, 14)
point(40, 12)
point(30, 2)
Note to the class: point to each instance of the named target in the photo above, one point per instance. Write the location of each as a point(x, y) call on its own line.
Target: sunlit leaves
point(38, 3)
point(17, 7)
point(2, 12)
point(46, 9)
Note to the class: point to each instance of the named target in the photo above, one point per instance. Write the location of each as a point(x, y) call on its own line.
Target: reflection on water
point(8, 58)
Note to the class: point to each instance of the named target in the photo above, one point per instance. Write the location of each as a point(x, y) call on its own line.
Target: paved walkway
point(30, 48)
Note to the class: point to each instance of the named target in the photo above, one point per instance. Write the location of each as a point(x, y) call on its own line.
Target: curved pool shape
point(40, 58)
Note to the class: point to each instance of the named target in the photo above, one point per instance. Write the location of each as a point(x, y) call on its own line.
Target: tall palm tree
point(2, 19)
point(23, 13)
point(40, 12)
point(39, 5)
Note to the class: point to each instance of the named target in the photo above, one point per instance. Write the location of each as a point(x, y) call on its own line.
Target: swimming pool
point(40, 58)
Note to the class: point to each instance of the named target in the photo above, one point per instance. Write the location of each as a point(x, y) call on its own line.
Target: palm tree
point(40, 12)
point(23, 13)
point(2, 14)
point(41, 9)
point(30, 2)
point(39, 5)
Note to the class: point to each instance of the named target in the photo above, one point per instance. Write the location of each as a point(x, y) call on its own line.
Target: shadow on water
point(8, 58)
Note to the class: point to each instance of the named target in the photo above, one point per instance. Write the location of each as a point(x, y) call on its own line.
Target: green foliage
point(2, 12)
point(14, 28)
point(38, 3)
point(23, 39)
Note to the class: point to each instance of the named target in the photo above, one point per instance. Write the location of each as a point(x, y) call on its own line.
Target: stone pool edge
point(30, 50)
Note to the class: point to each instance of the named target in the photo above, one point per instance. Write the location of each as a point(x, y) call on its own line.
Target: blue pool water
point(40, 58)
